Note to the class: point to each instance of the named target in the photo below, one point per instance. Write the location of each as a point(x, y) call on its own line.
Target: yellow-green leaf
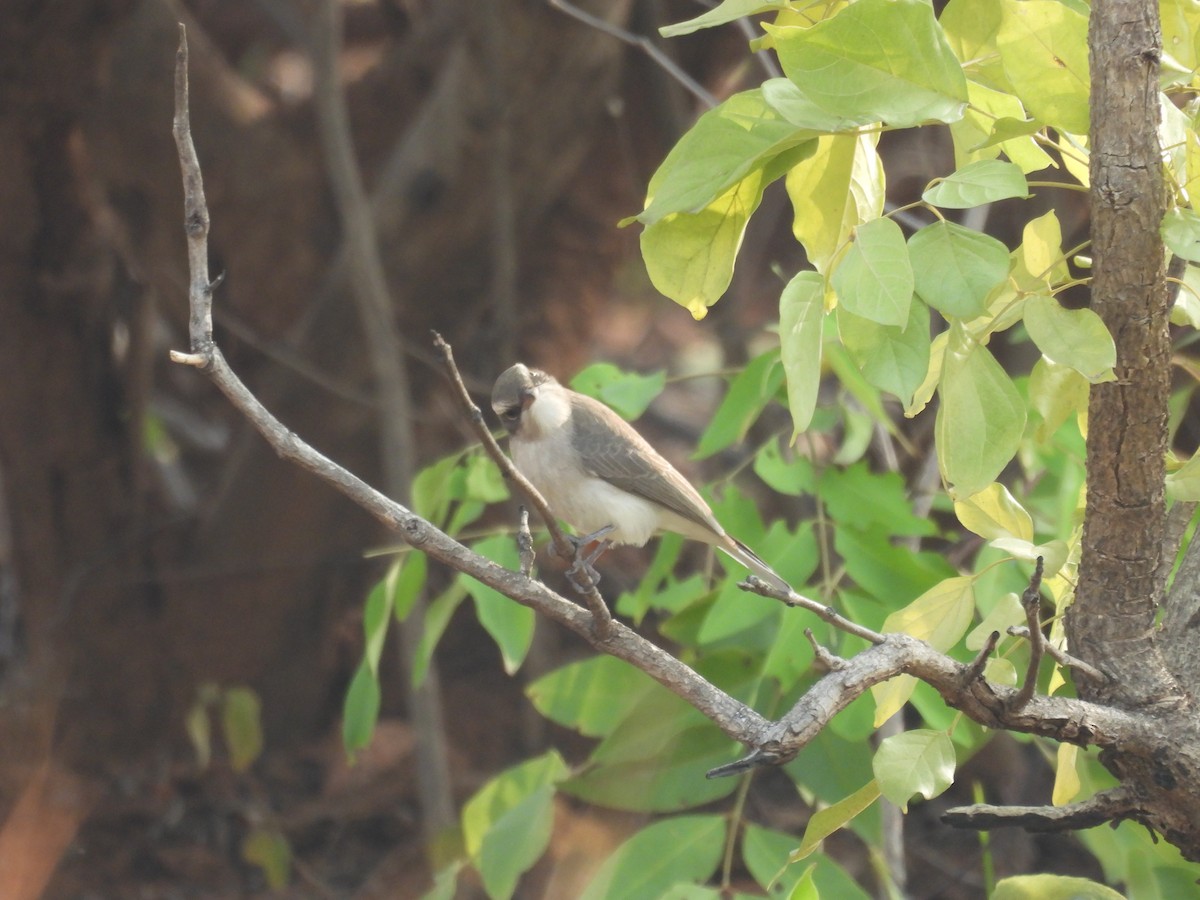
point(828, 820)
point(801, 320)
point(994, 512)
point(940, 616)
point(1043, 48)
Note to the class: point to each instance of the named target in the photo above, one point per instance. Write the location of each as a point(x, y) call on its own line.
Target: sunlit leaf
point(1043, 48)
point(981, 417)
point(875, 278)
point(879, 58)
point(725, 12)
point(940, 616)
point(920, 761)
point(826, 821)
point(1071, 337)
point(1066, 778)
point(955, 268)
point(1052, 887)
point(801, 317)
point(834, 191)
point(985, 181)
point(994, 512)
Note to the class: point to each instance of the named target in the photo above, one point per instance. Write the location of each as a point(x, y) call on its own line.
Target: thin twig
point(756, 585)
point(1031, 600)
point(525, 544)
point(562, 543)
point(829, 660)
point(1062, 657)
point(975, 670)
point(643, 43)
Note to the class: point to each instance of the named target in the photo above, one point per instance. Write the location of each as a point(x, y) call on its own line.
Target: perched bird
point(601, 476)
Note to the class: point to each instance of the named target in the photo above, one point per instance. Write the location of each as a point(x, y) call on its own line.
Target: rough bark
point(1121, 578)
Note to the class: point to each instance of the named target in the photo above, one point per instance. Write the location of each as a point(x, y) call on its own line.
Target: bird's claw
point(583, 572)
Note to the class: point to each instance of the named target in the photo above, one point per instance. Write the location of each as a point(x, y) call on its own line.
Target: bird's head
point(515, 391)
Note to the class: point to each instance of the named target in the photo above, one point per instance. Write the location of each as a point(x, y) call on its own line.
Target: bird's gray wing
point(609, 448)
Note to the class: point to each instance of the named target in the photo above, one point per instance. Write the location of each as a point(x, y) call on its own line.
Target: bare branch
point(756, 585)
point(1107, 806)
point(979, 663)
point(1062, 657)
point(1031, 601)
point(641, 42)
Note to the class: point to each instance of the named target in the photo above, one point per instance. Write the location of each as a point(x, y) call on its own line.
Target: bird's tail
point(751, 561)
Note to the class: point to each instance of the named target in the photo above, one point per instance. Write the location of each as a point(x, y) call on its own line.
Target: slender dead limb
point(1031, 601)
point(1105, 807)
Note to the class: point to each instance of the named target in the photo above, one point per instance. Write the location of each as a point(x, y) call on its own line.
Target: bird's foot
point(583, 572)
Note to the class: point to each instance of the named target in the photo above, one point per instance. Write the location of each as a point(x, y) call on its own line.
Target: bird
point(599, 475)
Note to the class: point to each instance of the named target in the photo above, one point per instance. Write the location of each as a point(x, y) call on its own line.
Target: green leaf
point(414, 567)
point(766, 853)
point(591, 696)
point(271, 852)
point(483, 482)
point(891, 358)
point(793, 475)
point(795, 105)
point(833, 192)
point(509, 623)
point(684, 848)
point(1007, 611)
point(994, 513)
point(241, 721)
point(689, 257)
point(801, 320)
point(914, 762)
point(955, 268)
point(670, 781)
point(993, 123)
point(981, 417)
point(1055, 392)
point(985, 181)
point(445, 883)
point(506, 825)
point(1071, 337)
point(1043, 48)
point(971, 29)
point(360, 709)
point(751, 390)
point(875, 279)
point(1184, 483)
point(1181, 233)
point(629, 393)
point(940, 616)
point(377, 615)
point(857, 497)
point(437, 618)
point(1052, 887)
point(725, 12)
point(878, 58)
point(826, 821)
point(725, 146)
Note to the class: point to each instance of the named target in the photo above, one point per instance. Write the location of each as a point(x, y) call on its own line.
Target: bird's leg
point(583, 572)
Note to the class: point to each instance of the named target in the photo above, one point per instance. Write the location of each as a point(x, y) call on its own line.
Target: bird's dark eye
point(510, 415)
